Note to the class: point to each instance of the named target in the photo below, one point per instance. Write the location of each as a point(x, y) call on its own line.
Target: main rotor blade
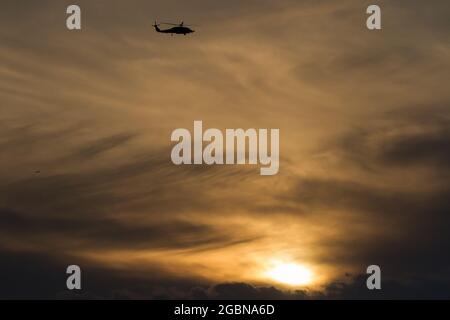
point(178, 25)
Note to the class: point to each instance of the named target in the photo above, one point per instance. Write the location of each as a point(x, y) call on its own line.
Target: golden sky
point(364, 132)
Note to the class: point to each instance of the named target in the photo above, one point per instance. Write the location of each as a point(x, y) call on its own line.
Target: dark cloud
point(245, 291)
point(432, 148)
point(84, 209)
point(418, 288)
point(415, 139)
point(41, 276)
point(102, 233)
point(102, 145)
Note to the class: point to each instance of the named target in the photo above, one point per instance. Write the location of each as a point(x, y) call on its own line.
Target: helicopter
point(178, 29)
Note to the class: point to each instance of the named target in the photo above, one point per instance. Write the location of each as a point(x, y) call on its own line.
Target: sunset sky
point(86, 175)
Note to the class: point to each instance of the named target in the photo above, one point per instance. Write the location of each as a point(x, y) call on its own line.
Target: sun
point(290, 273)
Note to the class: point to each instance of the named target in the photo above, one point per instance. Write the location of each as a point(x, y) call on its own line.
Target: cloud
point(419, 288)
point(244, 291)
point(409, 139)
point(85, 148)
point(102, 145)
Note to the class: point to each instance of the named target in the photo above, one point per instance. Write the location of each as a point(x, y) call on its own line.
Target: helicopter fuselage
point(176, 30)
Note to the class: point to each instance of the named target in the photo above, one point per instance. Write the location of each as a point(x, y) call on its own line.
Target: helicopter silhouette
point(178, 29)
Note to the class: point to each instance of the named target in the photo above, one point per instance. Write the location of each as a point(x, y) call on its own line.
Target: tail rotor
point(156, 26)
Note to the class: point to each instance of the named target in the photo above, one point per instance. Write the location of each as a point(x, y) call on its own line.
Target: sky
point(86, 175)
